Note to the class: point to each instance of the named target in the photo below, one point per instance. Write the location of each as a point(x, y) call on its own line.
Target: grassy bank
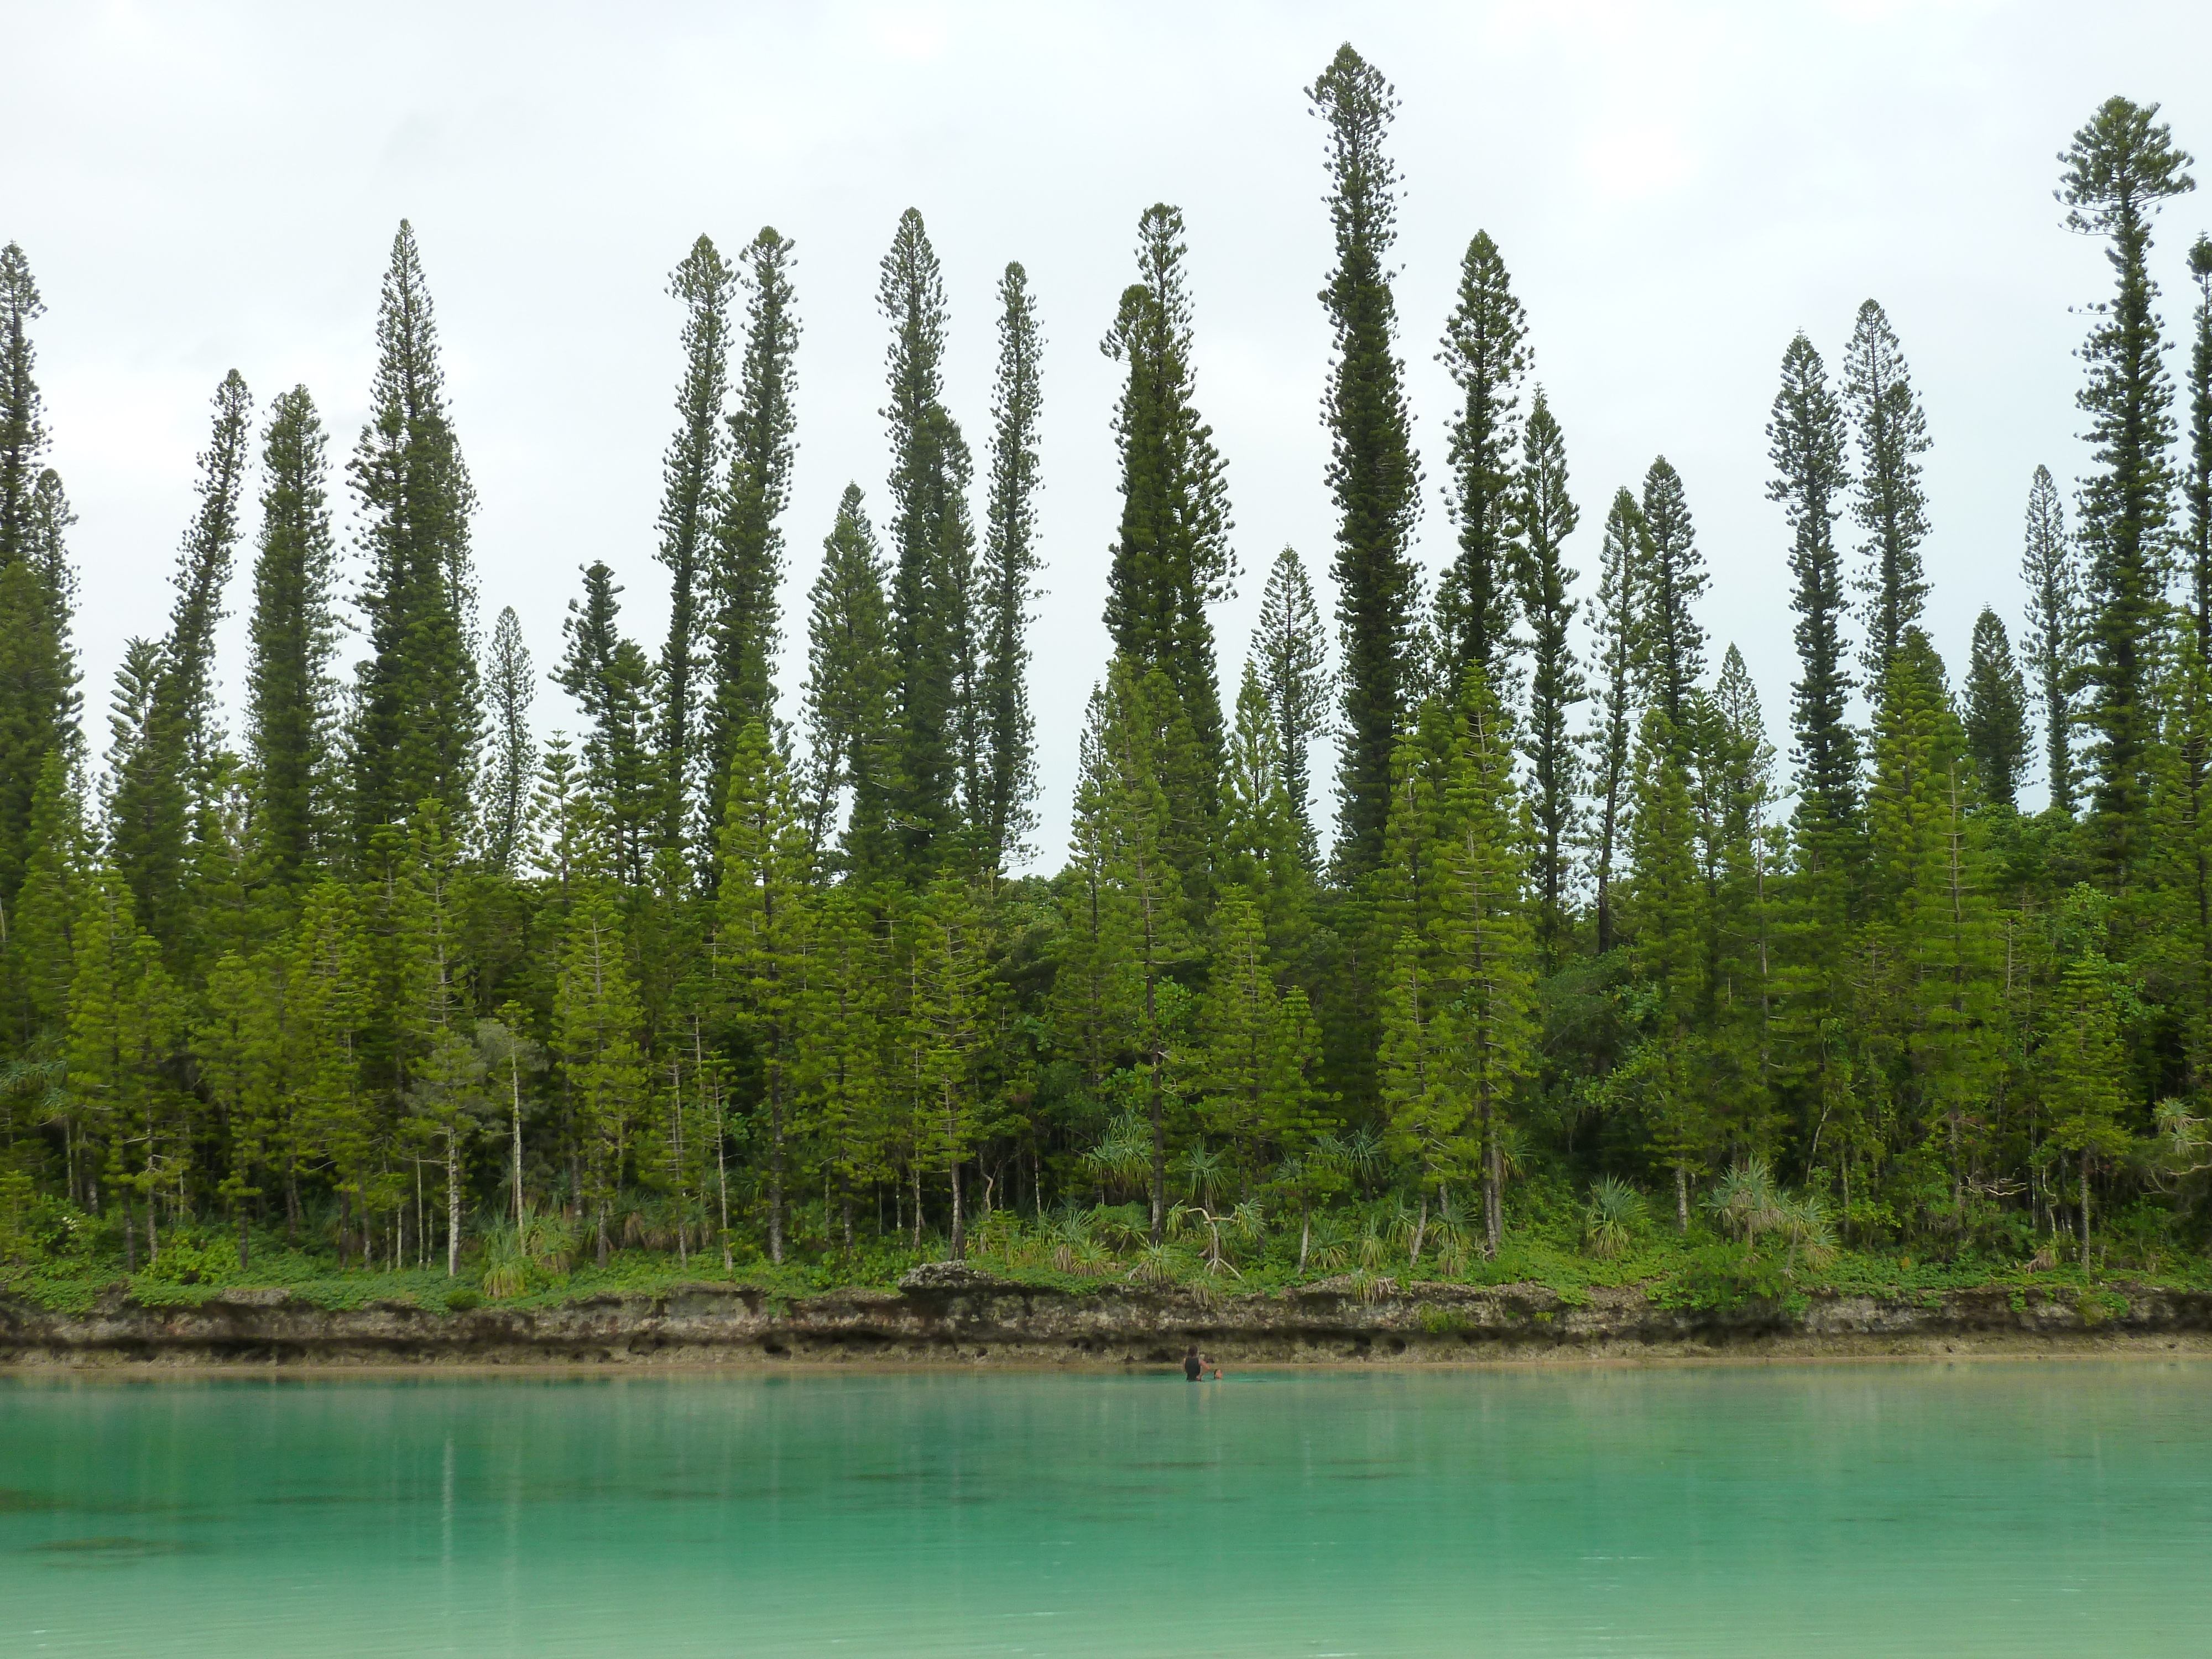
point(551, 1265)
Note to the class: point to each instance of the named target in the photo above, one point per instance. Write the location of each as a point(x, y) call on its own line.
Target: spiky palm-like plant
point(1610, 1216)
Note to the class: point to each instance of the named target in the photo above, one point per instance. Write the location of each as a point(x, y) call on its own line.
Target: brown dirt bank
point(948, 1316)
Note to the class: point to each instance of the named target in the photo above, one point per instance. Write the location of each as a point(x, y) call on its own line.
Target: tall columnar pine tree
point(443, 1075)
point(417, 715)
point(1004, 813)
point(510, 687)
point(2050, 571)
point(841, 1015)
point(1996, 712)
point(2178, 953)
point(23, 435)
point(1425, 1115)
point(166, 769)
point(613, 682)
point(330, 1120)
point(1259, 1045)
point(1806, 435)
point(39, 698)
point(125, 1110)
point(1487, 950)
point(1487, 351)
point(1133, 930)
point(292, 695)
point(2197, 472)
point(760, 927)
point(1172, 557)
point(1264, 845)
point(1623, 563)
point(2082, 1074)
point(746, 630)
point(1544, 516)
point(1292, 655)
point(932, 563)
point(237, 1045)
point(1261, 1055)
point(1806, 446)
point(596, 1022)
point(1667, 915)
point(1744, 860)
point(38, 678)
point(850, 739)
point(690, 470)
point(2117, 170)
point(949, 1010)
point(1937, 985)
point(1887, 501)
point(1373, 472)
point(38, 963)
point(1671, 653)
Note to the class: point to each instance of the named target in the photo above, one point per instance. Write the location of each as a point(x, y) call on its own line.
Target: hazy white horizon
point(1676, 189)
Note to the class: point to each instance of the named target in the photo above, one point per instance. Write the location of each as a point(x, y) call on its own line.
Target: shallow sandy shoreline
point(953, 1319)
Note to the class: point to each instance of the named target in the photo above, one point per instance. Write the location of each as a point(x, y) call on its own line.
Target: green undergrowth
point(1698, 1272)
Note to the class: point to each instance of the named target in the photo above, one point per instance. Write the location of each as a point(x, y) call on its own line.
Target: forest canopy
point(361, 970)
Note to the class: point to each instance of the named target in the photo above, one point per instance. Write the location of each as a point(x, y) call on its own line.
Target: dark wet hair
point(1193, 1354)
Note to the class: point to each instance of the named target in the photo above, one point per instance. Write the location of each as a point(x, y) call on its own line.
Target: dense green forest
point(363, 976)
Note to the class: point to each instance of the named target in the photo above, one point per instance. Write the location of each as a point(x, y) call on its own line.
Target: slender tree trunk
point(1159, 1193)
point(1491, 1230)
point(1681, 1200)
point(2085, 1211)
point(722, 1180)
point(131, 1239)
point(775, 1156)
point(1493, 1198)
point(959, 1229)
point(514, 1086)
point(453, 1201)
point(1305, 1232)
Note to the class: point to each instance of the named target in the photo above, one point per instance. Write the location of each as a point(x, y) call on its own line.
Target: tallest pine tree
point(1172, 558)
point(934, 559)
point(1372, 469)
point(2197, 482)
point(38, 698)
point(417, 716)
point(22, 425)
point(2119, 168)
point(704, 282)
point(749, 552)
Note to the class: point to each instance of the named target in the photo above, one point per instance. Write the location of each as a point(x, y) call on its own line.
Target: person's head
point(1193, 1354)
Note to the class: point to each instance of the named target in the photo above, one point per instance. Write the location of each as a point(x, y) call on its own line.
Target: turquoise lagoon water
point(2004, 1509)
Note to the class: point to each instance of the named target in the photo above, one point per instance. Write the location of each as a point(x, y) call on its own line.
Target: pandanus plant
point(538, 1243)
point(1750, 1204)
point(1610, 1216)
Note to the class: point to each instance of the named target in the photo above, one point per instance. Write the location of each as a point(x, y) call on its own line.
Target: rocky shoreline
point(946, 1315)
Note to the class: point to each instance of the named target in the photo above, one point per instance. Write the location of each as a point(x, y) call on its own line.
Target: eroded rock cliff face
point(949, 1316)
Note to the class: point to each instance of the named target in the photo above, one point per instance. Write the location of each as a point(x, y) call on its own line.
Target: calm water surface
point(2006, 1509)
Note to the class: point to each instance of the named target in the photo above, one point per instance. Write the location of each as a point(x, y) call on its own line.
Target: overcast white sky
point(1676, 189)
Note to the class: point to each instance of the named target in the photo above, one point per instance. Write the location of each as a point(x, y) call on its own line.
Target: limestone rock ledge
point(944, 1314)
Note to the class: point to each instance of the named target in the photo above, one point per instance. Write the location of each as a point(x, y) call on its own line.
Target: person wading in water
point(1194, 1368)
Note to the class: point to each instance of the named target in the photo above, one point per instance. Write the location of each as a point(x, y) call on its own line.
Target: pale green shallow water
point(2003, 1509)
